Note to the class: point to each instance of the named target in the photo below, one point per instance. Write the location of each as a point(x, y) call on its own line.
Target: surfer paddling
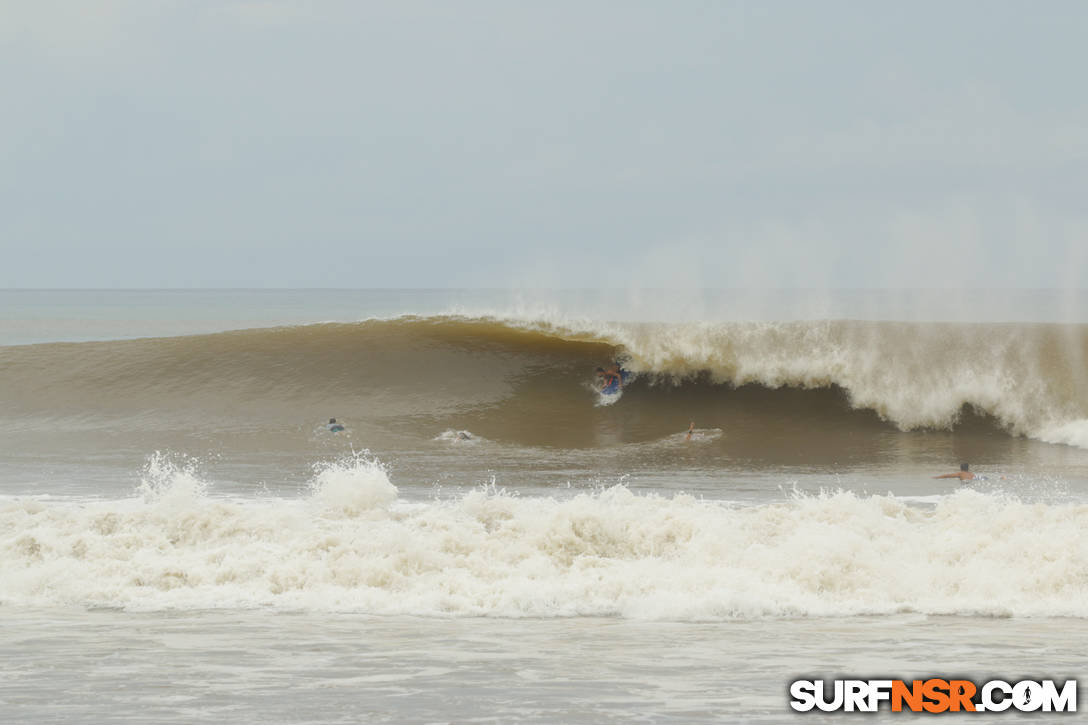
point(963, 474)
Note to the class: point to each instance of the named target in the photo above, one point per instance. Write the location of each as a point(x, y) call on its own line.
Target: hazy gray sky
point(356, 144)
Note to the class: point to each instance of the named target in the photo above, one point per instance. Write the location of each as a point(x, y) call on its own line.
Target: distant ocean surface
point(490, 538)
point(31, 316)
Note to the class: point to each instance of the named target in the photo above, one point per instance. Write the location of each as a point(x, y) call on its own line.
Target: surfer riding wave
point(612, 379)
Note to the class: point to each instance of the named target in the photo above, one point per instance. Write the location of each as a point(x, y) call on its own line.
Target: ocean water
point(490, 538)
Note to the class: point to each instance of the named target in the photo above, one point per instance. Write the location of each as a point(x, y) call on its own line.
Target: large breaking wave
point(1029, 379)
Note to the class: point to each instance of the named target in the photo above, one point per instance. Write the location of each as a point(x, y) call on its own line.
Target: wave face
point(351, 545)
point(531, 380)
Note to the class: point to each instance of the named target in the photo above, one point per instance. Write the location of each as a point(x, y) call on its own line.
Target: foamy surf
point(351, 487)
point(458, 437)
point(1030, 377)
point(351, 546)
point(606, 399)
point(1071, 433)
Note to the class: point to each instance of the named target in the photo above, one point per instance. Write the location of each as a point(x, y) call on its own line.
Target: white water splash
point(351, 546)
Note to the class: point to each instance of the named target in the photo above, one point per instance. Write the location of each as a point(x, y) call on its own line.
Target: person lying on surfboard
point(963, 474)
point(611, 379)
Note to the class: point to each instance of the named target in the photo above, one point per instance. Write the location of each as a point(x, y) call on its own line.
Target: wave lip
point(351, 546)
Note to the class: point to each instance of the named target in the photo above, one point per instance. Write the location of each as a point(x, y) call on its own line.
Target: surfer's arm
point(949, 475)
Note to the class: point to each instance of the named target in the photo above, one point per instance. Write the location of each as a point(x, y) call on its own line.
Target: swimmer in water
point(333, 426)
point(691, 431)
point(963, 474)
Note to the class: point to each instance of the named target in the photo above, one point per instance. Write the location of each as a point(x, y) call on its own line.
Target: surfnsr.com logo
point(933, 695)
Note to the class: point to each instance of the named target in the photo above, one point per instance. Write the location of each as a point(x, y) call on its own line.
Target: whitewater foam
point(458, 437)
point(1030, 378)
point(169, 479)
point(352, 546)
point(1072, 433)
point(352, 486)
